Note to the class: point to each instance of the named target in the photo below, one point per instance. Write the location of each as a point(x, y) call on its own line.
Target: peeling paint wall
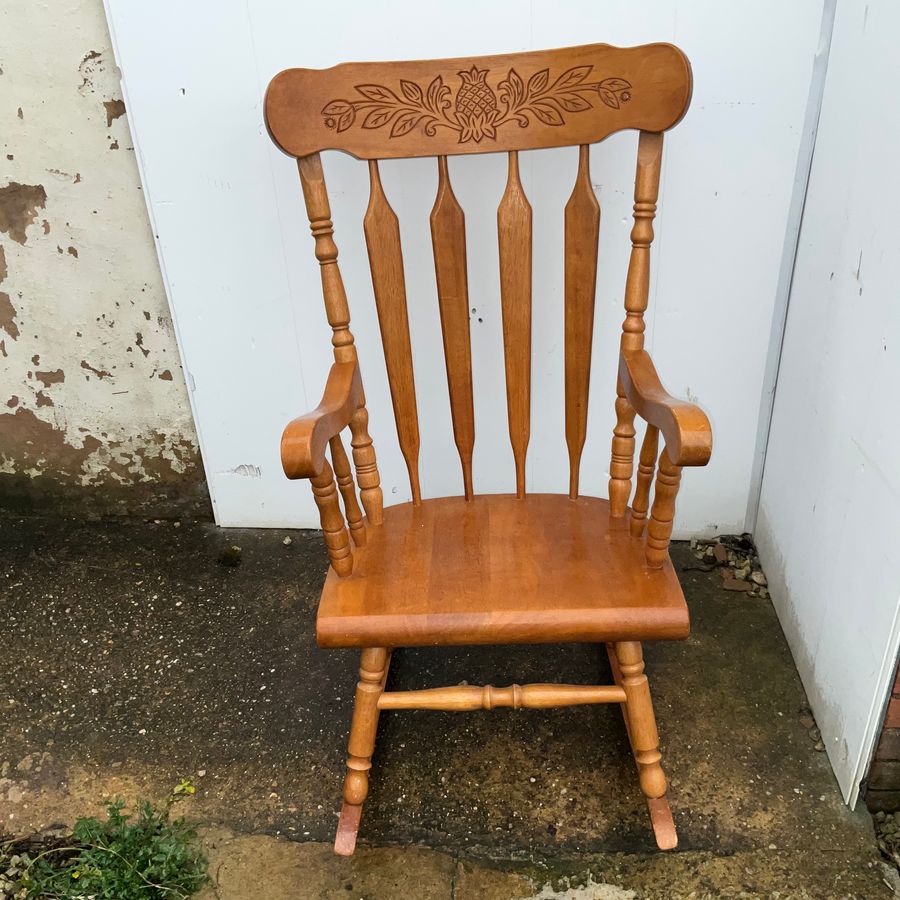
point(94, 413)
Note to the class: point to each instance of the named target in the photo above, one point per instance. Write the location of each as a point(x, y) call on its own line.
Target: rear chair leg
point(372, 677)
point(627, 661)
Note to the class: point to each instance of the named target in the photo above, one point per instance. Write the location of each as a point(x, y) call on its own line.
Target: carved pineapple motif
point(477, 112)
point(476, 106)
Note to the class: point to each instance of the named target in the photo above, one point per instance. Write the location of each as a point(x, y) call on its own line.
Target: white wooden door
point(829, 523)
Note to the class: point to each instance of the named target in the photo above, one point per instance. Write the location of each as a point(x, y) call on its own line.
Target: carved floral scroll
point(477, 110)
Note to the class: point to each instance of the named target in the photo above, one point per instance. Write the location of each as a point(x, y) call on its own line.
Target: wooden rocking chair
point(492, 569)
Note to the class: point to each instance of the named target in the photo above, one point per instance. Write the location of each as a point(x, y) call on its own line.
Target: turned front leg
point(372, 674)
point(641, 720)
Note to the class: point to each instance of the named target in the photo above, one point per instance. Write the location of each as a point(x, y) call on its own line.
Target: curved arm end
point(304, 440)
point(684, 425)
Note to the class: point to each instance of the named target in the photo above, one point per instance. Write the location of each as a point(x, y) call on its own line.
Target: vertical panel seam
point(793, 230)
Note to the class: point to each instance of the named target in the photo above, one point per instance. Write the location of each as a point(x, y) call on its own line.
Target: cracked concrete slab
point(133, 658)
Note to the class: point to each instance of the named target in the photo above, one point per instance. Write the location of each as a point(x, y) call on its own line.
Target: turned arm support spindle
point(688, 442)
point(646, 468)
point(637, 291)
point(312, 179)
point(333, 527)
point(347, 488)
point(662, 515)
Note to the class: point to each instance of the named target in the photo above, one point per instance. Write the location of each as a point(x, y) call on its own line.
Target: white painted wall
point(243, 282)
point(829, 524)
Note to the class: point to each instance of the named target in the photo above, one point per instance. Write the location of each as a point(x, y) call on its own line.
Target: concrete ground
point(132, 657)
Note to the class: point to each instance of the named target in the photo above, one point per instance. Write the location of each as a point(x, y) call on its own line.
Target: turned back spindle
point(512, 103)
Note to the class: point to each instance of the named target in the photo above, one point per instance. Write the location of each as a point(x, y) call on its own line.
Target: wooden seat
point(492, 569)
point(448, 572)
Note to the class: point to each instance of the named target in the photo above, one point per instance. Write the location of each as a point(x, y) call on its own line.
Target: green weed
point(145, 856)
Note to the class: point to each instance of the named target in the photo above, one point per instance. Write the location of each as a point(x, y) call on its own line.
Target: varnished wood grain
point(514, 237)
point(318, 209)
point(637, 282)
point(344, 478)
point(460, 698)
point(658, 806)
point(641, 721)
point(501, 568)
point(372, 674)
point(582, 234)
point(448, 572)
point(646, 468)
point(382, 231)
point(684, 425)
point(448, 237)
point(304, 439)
point(366, 465)
point(659, 529)
point(333, 528)
point(637, 288)
point(518, 101)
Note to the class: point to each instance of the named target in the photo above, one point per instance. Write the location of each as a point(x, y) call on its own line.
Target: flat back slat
point(382, 231)
point(582, 233)
point(514, 236)
point(448, 237)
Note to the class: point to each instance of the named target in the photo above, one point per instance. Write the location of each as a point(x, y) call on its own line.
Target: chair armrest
point(684, 426)
point(304, 440)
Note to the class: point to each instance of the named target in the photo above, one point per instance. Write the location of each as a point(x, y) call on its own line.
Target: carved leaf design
point(412, 92)
point(379, 116)
point(339, 114)
point(609, 98)
point(538, 81)
point(437, 95)
point(477, 116)
point(615, 84)
point(572, 102)
point(377, 93)
point(611, 90)
point(512, 89)
point(571, 77)
point(405, 123)
point(547, 112)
